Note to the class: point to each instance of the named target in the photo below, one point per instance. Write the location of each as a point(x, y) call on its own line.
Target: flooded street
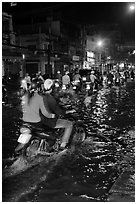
point(81, 174)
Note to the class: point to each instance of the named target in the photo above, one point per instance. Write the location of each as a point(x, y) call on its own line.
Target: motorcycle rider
point(32, 103)
point(53, 107)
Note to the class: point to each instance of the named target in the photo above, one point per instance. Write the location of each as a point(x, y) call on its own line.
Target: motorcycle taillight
point(25, 130)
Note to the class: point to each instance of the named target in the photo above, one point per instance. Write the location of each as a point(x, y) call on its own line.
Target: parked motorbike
point(4, 95)
point(44, 141)
point(4, 91)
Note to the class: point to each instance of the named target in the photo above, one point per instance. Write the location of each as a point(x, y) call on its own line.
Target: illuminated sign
point(75, 58)
point(90, 54)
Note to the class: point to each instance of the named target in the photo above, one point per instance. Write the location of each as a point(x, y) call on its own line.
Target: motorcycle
point(76, 86)
point(44, 141)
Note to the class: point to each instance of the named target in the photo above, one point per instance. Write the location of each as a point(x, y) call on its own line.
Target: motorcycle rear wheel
point(36, 147)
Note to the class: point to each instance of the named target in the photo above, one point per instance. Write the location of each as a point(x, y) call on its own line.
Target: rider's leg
point(68, 125)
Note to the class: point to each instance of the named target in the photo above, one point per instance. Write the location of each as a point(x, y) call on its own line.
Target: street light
point(132, 7)
point(99, 43)
point(99, 48)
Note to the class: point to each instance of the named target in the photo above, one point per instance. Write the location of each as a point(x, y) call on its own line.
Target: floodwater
point(81, 174)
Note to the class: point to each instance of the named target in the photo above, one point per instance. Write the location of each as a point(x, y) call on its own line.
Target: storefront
point(11, 62)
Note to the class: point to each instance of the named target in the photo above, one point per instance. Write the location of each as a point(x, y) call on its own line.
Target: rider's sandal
point(63, 146)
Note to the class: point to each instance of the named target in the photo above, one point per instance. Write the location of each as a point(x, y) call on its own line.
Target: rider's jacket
point(66, 79)
point(52, 107)
point(31, 110)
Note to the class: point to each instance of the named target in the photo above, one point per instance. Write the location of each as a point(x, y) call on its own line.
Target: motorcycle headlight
point(23, 81)
point(63, 87)
point(74, 87)
point(88, 87)
point(84, 78)
point(77, 81)
point(56, 85)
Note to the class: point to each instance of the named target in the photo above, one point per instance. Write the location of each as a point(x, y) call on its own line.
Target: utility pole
point(49, 46)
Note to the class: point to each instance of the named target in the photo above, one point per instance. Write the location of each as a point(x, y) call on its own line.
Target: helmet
point(48, 84)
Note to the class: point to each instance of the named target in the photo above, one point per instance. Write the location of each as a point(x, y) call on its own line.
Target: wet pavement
point(101, 169)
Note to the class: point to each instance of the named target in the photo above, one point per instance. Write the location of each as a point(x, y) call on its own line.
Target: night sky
point(75, 12)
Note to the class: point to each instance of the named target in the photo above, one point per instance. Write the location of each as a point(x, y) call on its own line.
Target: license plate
point(24, 138)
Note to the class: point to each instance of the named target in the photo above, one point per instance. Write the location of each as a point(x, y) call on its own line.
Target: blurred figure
point(110, 79)
point(132, 75)
point(77, 81)
point(66, 79)
point(117, 78)
point(39, 80)
point(59, 76)
point(88, 99)
point(92, 79)
point(27, 79)
point(105, 79)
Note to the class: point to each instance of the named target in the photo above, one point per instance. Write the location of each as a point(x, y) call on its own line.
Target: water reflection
point(89, 172)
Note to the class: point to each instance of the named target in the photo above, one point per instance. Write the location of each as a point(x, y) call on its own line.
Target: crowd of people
point(40, 107)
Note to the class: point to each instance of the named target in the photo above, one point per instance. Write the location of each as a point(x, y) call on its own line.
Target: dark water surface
point(87, 172)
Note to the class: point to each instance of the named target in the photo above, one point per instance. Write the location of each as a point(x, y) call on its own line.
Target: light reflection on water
point(95, 168)
point(90, 171)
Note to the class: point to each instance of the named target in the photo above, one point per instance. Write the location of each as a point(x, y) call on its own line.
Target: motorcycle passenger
point(32, 104)
point(53, 107)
